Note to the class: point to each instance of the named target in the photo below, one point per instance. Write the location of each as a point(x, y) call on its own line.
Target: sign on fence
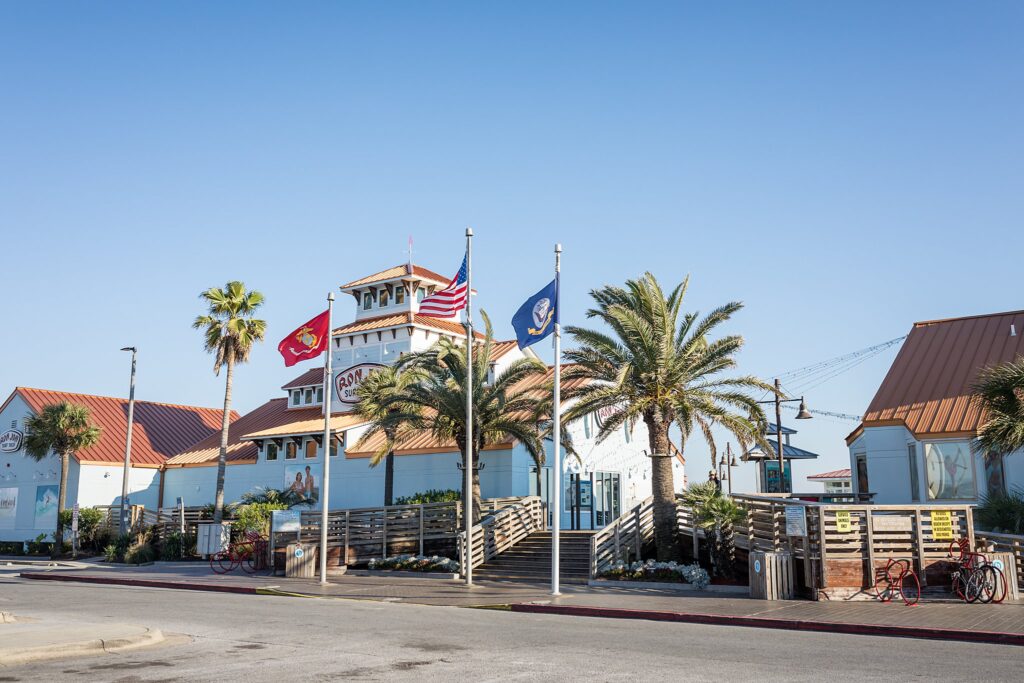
point(942, 525)
point(796, 520)
point(286, 520)
point(892, 523)
point(843, 523)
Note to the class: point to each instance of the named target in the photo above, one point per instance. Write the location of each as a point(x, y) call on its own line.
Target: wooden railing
point(1004, 543)
point(501, 530)
point(622, 540)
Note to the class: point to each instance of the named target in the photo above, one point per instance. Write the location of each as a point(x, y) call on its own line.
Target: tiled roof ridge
point(938, 321)
point(122, 399)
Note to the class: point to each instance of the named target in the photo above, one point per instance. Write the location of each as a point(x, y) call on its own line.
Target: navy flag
point(536, 318)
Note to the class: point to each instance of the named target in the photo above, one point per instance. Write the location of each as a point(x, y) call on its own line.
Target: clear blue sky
point(843, 170)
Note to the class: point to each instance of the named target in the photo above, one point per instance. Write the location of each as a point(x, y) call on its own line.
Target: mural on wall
point(46, 506)
point(302, 480)
point(8, 506)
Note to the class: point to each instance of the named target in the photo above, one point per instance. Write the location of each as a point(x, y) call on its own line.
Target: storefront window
point(271, 451)
point(311, 449)
point(995, 482)
point(949, 468)
point(291, 451)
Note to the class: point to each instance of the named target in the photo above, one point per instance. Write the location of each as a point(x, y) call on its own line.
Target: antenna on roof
point(409, 267)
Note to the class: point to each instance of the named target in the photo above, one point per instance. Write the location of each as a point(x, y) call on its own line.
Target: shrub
point(1002, 512)
point(254, 517)
point(140, 552)
point(90, 536)
point(669, 572)
point(115, 552)
point(39, 545)
point(416, 563)
point(177, 546)
point(12, 548)
point(430, 496)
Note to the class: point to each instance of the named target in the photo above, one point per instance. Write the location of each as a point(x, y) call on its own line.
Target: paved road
point(264, 638)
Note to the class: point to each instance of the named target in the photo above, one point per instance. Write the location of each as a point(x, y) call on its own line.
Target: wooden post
point(919, 547)
point(822, 543)
point(618, 543)
point(871, 546)
point(636, 531)
point(777, 522)
point(345, 559)
point(969, 520)
point(750, 527)
point(421, 529)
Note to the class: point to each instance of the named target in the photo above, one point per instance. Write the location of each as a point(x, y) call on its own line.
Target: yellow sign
point(843, 524)
point(942, 525)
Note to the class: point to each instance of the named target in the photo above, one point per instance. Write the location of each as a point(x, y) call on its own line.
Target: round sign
point(998, 564)
point(10, 441)
point(347, 381)
point(299, 552)
point(757, 566)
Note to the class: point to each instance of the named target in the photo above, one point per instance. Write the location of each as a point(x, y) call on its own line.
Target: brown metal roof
point(307, 425)
point(383, 322)
point(396, 272)
point(311, 377)
point(834, 474)
point(159, 430)
point(928, 387)
point(272, 413)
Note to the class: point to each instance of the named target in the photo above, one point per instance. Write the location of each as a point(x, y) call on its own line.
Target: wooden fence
point(501, 530)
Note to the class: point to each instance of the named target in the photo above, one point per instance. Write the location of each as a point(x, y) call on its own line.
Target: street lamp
point(802, 414)
point(729, 461)
point(128, 442)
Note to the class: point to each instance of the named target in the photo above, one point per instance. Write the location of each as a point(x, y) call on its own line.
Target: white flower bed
point(416, 563)
point(654, 572)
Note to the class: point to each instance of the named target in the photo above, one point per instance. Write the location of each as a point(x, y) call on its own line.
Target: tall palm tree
point(380, 396)
point(229, 331)
point(999, 390)
point(660, 367)
point(63, 428)
point(437, 403)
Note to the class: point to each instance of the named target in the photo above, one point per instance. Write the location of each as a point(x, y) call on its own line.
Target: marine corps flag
point(309, 341)
point(536, 318)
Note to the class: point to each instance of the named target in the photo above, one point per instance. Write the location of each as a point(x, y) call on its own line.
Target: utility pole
point(122, 526)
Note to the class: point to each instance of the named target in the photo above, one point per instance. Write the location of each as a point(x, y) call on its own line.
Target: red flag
point(309, 341)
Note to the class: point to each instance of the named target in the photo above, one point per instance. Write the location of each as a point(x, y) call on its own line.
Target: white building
point(836, 481)
point(914, 444)
point(28, 489)
point(275, 444)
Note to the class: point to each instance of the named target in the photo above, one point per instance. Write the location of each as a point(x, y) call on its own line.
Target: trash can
point(771, 575)
point(300, 561)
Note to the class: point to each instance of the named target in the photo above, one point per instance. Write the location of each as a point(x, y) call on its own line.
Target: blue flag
point(536, 318)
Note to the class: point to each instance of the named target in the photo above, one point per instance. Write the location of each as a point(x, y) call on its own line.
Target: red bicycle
point(975, 579)
point(897, 579)
point(249, 554)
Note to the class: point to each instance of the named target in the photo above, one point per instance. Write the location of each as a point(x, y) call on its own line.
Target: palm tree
point(381, 395)
point(661, 368)
point(716, 514)
point(999, 390)
point(437, 403)
point(229, 331)
point(63, 428)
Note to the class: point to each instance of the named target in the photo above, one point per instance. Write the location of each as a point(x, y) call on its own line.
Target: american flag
point(450, 300)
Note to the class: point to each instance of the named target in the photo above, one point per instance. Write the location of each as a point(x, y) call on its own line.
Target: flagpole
point(468, 496)
point(556, 431)
point(325, 481)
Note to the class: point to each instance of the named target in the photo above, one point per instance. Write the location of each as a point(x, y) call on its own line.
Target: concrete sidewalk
point(22, 642)
point(933, 618)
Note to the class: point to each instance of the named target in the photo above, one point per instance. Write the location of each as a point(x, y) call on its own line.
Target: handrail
point(501, 530)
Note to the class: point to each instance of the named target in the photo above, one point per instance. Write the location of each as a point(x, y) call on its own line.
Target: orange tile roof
point(422, 441)
point(272, 413)
point(310, 377)
point(159, 430)
point(834, 474)
point(928, 387)
point(396, 272)
point(307, 425)
point(384, 322)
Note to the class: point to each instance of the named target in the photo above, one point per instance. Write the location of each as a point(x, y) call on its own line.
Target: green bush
point(430, 496)
point(140, 552)
point(254, 517)
point(115, 551)
point(178, 547)
point(1002, 512)
point(12, 548)
point(90, 536)
point(40, 546)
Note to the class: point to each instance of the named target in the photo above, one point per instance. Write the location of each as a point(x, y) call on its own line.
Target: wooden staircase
point(529, 560)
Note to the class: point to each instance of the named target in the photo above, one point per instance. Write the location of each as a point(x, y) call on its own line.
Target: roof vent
point(1013, 330)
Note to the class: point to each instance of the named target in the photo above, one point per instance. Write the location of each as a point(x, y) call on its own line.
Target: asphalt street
point(269, 638)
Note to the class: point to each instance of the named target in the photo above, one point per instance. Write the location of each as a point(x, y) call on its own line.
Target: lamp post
point(802, 414)
point(128, 442)
point(729, 460)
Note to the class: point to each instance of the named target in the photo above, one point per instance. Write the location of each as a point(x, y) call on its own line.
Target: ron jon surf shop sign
point(347, 381)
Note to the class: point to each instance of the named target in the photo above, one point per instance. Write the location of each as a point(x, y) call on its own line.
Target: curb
point(150, 636)
point(146, 583)
point(991, 637)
